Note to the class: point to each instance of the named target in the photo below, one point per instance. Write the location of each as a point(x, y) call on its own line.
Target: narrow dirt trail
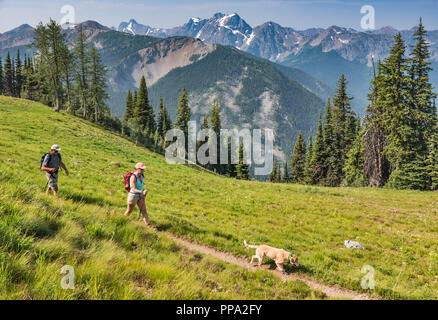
point(332, 291)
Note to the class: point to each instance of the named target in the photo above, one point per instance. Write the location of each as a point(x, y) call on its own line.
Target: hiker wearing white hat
point(136, 196)
point(50, 162)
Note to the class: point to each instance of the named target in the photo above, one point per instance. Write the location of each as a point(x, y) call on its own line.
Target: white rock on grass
point(353, 244)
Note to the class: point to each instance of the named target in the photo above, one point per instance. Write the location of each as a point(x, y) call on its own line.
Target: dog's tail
point(248, 245)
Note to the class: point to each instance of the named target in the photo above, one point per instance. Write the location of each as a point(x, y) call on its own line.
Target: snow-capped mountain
point(276, 43)
point(135, 28)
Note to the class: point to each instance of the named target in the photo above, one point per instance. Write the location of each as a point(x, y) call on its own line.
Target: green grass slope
point(114, 255)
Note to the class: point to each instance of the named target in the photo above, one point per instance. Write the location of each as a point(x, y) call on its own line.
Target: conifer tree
point(432, 161)
point(215, 125)
point(1, 77)
point(354, 162)
point(97, 85)
point(332, 146)
point(377, 168)
point(164, 121)
point(143, 109)
point(273, 175)
point(14, 87)
point(82, 71)
point(9, 77)
point(68, 76)
point(286, 175)
point(317, 162)
point(242, 169)
point(18, 75)
point(183, 113)
point(135, 100)
point(129, 110)
point(298, 160)
point(278, 173)
point(404, 150)
point(51, 46)
point(393, 97)
point(420, 94)
point(204, 124)
point(343, 125)
point(308, 170)
point(31, 84)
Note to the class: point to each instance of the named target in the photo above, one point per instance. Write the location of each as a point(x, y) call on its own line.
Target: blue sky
point(299, 14)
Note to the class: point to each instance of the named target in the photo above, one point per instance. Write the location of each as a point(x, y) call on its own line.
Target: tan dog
point(280, 256)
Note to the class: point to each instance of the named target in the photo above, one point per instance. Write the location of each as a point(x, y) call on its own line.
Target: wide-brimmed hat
point(140, 166)
point(56, 148)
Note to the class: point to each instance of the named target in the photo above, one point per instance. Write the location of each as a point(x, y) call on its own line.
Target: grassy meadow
point(117, 257)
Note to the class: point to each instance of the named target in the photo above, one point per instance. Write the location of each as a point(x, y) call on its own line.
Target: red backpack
point(127, 178)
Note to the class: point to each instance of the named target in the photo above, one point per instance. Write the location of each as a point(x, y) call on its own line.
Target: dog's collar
point(290, 256)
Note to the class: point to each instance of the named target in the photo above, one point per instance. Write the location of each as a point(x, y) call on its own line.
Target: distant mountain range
point(253, 92)
point(323, 53)
point(276, 43)
point(266, 76)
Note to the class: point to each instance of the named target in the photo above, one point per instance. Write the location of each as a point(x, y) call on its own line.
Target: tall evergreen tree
point(68, 74)
point(420, 94)
point(422, 111)
point(31, 86)
point(278, 173)
point(242, 169)
point(215, 125)
point(377, 167)
point(354, 162)
point(9, 77)
point(286, 174)
point(344, 131)
point(14, 79)
point(183, 113)
point(82, 71)
point(51, 45)
point(18, 75)
point(273, 176)
point(204, 124)
point(143, 108)
point(298, 160)
point(332, 146)
point(164, 121)
point(1, 77)
point(396, 110)
point(135, 100)
point(317, 162)
point(97, 90)
point(129, 110)
point(308, 170)
point(432, 160)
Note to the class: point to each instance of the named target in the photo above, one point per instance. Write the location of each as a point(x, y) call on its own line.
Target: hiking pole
point(143, 203)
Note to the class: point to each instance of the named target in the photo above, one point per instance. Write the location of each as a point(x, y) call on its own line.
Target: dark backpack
point(50, 156)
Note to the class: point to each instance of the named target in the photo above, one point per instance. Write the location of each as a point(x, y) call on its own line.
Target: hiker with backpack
point(136, 196)
point(50, 163)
